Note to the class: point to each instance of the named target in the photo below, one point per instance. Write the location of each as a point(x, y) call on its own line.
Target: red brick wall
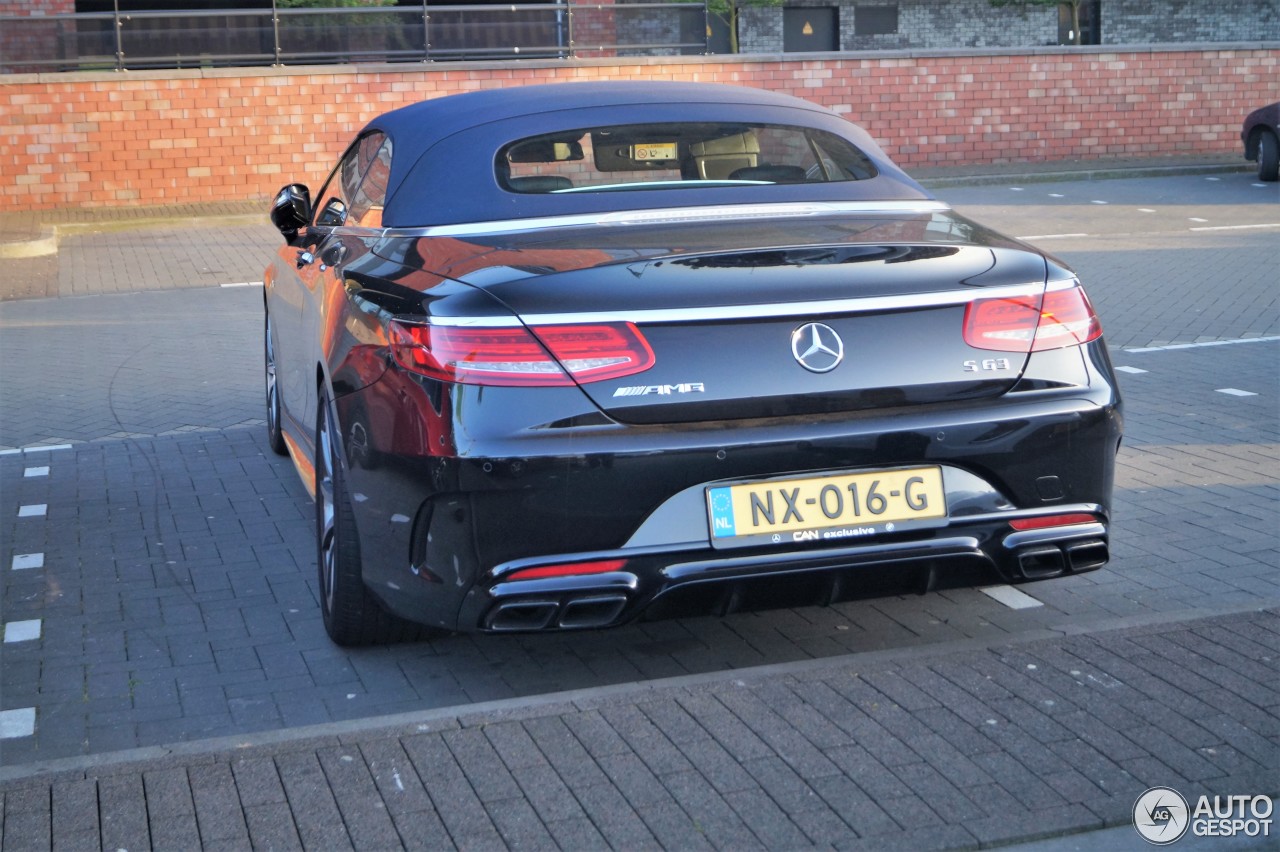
point(37, 7)
point(167, 137)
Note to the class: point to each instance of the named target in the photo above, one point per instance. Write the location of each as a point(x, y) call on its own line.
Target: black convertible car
point(551, 357)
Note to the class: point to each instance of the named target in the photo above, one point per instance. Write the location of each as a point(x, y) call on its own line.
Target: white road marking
point(1052, 236)
point(1233, 227)
point(35, 510)
point(39, 448)
point(1056, 195)
point(1130, 370)
point(17, 723)
point(32, 472)
point(23, 561)
point(1015, 189)
point(1146, 210)
point(243, 284)
point(1196, 219)
point(1095, 201)
point(1203, 345)
point(1011, 597)
point(1235, 392)
point(22, 631)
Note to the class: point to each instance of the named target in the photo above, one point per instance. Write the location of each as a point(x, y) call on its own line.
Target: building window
point(875, 20)
point(810, 29)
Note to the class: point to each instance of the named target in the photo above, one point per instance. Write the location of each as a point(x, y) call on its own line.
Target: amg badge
point(661, 390)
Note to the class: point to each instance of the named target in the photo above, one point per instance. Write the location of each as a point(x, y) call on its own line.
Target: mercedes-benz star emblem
point(817, 347)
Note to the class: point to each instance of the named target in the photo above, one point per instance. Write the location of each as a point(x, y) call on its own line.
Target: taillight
point(542, 355)
point(1046, 521)
point(1025, 324)
point(571, 569)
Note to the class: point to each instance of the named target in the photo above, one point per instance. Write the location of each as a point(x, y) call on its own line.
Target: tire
point(1268, 156)
point(275, 433)
point(351, 614)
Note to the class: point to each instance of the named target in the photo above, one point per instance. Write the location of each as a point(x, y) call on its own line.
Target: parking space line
point(1204, 344)
point(1235, 392)
point(24, 561)
point(1234, 227)
point(1011, 597)
point(32, 472)
point(17, 451)
point(1130, 370)
point(17, 723)
point(34, 510)
point(22, 631)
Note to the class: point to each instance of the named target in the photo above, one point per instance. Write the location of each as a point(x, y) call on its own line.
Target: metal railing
point(123, 41)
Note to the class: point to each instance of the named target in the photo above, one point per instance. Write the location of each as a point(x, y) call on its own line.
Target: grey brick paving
point(498, 781)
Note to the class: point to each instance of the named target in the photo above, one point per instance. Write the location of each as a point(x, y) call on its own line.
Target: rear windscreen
point(675, 155)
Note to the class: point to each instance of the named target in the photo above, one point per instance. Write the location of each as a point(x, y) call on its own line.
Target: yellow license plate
point(833, 507)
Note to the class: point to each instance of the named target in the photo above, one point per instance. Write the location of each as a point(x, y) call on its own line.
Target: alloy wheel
point(326, 515)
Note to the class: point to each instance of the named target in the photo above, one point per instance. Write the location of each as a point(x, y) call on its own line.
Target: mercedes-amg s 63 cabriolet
point(555, 356)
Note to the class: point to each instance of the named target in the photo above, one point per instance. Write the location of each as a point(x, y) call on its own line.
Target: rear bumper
point(442, 532)
point(725, 584)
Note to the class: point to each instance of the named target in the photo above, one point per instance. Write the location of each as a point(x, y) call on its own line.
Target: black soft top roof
point(444, 149)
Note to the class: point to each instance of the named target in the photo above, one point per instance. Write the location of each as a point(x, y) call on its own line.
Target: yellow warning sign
point(808, 28)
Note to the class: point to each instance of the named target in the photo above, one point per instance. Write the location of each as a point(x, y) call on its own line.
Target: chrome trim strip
point(668, 215)
point(773, 311)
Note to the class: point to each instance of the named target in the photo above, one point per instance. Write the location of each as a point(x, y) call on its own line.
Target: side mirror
point(291, 210)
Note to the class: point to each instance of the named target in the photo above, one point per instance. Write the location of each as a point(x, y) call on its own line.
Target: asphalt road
point(159, 581)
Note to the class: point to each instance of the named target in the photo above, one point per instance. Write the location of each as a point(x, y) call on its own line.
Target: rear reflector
point(544, 355)
point(1025, 324)
point(1052, 521)
point(572, 569)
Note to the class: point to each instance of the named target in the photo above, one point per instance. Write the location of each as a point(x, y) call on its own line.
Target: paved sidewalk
point(908, 749)
point(50, 254)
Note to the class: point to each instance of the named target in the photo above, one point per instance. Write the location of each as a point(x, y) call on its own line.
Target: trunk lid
point(837, 314)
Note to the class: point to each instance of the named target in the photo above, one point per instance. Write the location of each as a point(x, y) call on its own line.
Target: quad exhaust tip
point(572, 614)
point(1044, 562)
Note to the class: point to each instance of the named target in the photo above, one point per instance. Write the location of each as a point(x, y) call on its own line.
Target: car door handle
point(305, 258)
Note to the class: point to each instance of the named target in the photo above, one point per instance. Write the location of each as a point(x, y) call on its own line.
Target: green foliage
point(727, 11)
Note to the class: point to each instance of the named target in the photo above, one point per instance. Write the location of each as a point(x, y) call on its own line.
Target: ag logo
point(1161, 816)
